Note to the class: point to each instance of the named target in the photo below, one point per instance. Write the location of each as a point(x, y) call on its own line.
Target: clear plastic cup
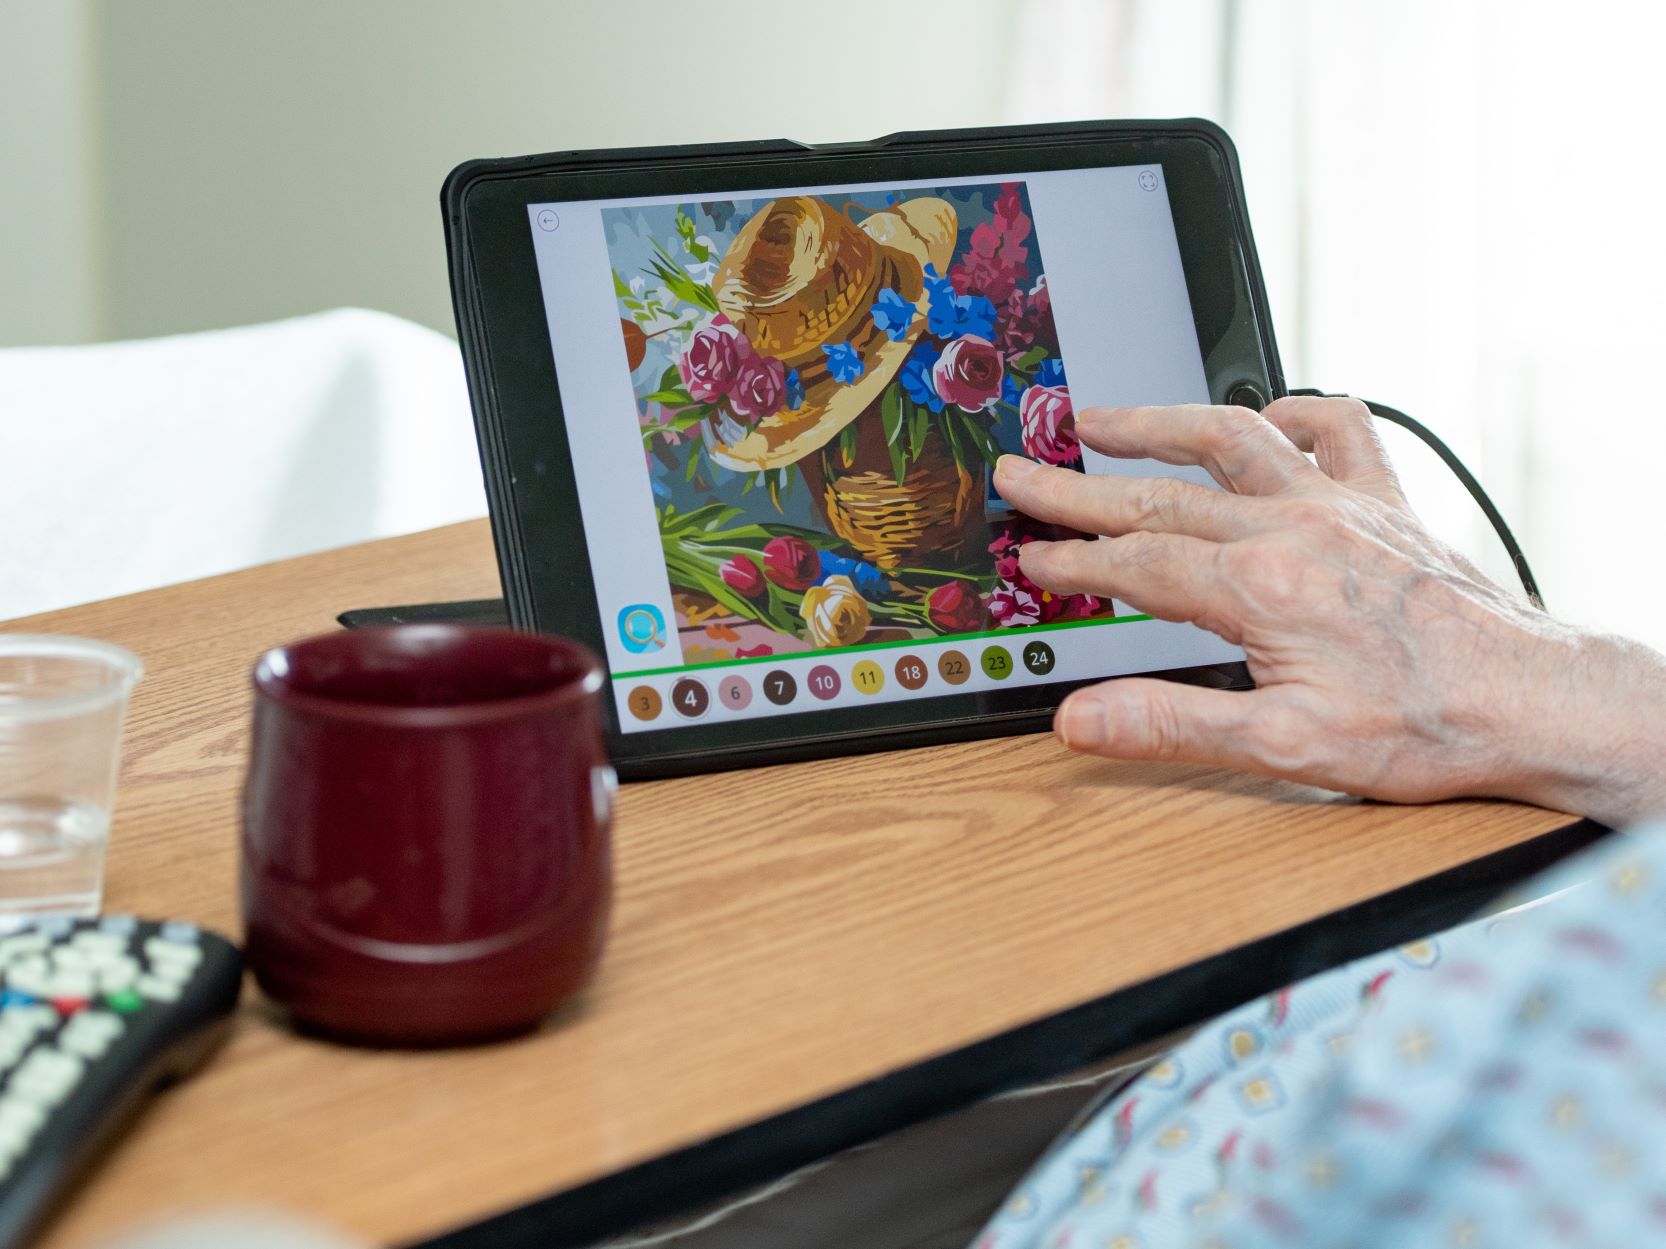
point(62, 703)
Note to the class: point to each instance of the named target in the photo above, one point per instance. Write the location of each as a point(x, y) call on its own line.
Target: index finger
point(1238, 447)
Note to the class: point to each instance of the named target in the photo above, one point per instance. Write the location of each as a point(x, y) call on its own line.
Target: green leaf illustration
point(980, 438)
point(678, 282)
point(890, 415)
point(919, 424)
point(847, 445)
point(1026, 363)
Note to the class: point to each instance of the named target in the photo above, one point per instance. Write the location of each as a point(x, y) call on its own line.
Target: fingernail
point(1083, 723)
point(1014, 467)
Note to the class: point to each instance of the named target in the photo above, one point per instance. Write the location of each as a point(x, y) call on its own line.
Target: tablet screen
point(783, 406)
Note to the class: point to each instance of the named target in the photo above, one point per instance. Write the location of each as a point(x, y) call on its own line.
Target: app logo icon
point(641, 628)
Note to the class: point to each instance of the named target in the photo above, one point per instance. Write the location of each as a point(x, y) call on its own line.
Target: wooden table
point(823, 939)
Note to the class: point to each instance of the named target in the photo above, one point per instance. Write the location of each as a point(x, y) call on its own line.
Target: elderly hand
point(1385, 664)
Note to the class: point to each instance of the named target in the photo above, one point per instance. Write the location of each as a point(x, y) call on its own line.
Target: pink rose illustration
point(712, 363)
point(1049, 425)
point(1005, 551)
point(968, 373)
point(760, 388)
point(791, 563)
point(956, 607)
point(1014, 606)
point(742, 575)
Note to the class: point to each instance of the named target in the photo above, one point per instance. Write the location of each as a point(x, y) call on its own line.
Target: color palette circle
point(689, 697)
point(644, 702)
point(780, 687)
point(823, 682)
point(911, 672)
point(954, 667)
point(1039, 659)
point(996, 662)
point(868, 677)
point(735, 692)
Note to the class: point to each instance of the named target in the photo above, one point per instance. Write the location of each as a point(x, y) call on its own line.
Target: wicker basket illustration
point(930, 520)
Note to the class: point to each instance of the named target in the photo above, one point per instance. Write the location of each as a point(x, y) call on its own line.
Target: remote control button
point(102, 960)
point(55, 926)
point(124, 1001)
point(117, 976)
point(70, 984)
point(21, 944)
point(173, 953)
point(173, 973)
point(118, 925)
point(91, 1033)
point(30, 980)
point(16, 1132)
point(179, 930)
point(20, 1115)
point(13, 997)
point(36, 1017)
point(157, 989)
point(72, 958)
point(29, 965)
point(95, 942)
point(12, 1049)
point(46, 1076)
point(67, 1006)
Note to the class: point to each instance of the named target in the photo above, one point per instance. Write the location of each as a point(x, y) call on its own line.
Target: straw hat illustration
point(800, 276)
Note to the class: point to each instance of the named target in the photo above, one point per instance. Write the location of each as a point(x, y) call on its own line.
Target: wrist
point(1588, 734)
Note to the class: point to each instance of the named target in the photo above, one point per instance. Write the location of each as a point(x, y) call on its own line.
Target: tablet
point(738, 408)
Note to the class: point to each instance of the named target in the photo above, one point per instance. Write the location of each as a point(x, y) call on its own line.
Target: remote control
point(95, 1015)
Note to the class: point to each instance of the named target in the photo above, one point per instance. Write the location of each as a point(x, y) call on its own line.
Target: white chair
point(125, 466)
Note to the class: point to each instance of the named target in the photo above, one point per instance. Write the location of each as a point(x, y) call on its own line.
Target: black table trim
point(1040, 1050)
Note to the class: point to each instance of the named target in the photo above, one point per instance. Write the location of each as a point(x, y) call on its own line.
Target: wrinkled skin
point(1385, 664)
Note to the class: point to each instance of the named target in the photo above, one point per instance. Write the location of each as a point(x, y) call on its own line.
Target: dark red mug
point(426, 831)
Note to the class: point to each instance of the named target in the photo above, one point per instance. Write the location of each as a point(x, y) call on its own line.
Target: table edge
point(1045, 1048)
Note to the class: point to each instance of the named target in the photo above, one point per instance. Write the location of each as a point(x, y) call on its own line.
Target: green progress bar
point(1007, 634)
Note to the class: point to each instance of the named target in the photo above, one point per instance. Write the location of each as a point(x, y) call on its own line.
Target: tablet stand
point(484, 611)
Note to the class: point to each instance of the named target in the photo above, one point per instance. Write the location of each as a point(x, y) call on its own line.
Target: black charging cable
point(1396, 417)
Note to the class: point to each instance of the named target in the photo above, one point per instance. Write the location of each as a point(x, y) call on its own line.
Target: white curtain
point(1457, 205)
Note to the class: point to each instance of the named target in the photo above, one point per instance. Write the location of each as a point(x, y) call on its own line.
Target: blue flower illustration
point(843, 362)
point(795, 391)
point(1050, 373)
point(916, 377)
point(974, 315)
point(949, 315)
point(893, 314)
point(868, 580)
point(938, 288)
point(940, 309)
point(1012, 391)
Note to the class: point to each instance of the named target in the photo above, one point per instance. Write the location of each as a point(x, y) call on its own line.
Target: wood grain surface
point(779, 934)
